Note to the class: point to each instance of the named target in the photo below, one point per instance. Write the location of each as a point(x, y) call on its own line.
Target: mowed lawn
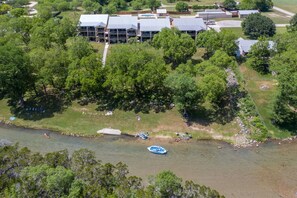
point(263, 90)
point(86, 120)
point(289, 5)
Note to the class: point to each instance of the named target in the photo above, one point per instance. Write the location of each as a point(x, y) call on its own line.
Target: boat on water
point(157, 150)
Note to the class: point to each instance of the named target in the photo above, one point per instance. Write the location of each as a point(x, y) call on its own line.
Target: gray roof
point(187, 24)
point(154, 24)
point(122, 22)
point(245, 45)
point(247, 12)
point(93, 20)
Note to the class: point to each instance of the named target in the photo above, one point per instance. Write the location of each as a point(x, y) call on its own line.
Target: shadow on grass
point(37, 108)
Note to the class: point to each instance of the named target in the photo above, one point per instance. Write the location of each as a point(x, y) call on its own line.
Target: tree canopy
point(262, 5)
point(177, 47)
point(293, 23)
point(256, 25)
point(27, 174)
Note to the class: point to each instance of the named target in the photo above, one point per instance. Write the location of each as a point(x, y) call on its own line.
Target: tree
point(293, 23)
point(167, 184)
point(259, 55)
point(109, 9)
point(213, 41)
point(182, 7)
point(256, 25)
point(285, 107)
point(177, 47)
point(44, 181)
point(136, 4)
point(153, 4)
point(223, 60)
point(230, 4)
point(262, 5)
point(15, 72)
point(17, 12)
point(4, 8)
point(135, 75)
point(186, 95)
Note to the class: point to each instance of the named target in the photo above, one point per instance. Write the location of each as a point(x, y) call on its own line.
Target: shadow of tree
point(37, 108)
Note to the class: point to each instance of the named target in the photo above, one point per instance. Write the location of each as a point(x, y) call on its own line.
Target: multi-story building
point(150, 27)
point(121, 28)
point(191, 26)
point(93, 26)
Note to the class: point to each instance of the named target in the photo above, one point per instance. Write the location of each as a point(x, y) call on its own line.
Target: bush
point(202, 7)
point(182, 7)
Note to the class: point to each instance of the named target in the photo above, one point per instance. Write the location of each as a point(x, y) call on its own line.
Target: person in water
point(46, 135)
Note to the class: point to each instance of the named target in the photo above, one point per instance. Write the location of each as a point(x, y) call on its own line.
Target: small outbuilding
point(245, 13)
point(244, 46)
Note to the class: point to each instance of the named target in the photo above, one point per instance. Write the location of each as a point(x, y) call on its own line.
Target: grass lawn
point(289, 5)
point(237, 31)
point(264, 99)
point(99, 47)
point(85, 120)
point(277, 17)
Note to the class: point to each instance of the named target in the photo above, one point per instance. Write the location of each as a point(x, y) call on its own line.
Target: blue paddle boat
point(157, 150)
point(143, 135)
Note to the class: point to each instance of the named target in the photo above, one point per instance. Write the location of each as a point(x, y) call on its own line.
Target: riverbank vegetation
point(51, 78)
point(57, 174)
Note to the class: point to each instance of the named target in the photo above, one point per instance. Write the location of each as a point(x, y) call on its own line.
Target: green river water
point(266, 171)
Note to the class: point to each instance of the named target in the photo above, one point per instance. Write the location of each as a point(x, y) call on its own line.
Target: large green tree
point(182, 7)
point(213, 41)
point(15, 72)
point(186, 94)
point(256, 25)
point(229, 4)
point(177, 47)
point(135, 73)
point(259, 56)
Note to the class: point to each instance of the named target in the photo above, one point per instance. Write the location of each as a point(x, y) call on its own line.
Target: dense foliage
point(262, 5)
point(182, 7)
point(284, 64)
point(177, 47)
point(230, 4)
point(293, 23)
point(256, 25)
point(56, 174)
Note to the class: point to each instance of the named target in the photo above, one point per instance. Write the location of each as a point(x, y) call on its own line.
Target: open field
point(263, 98)
point(86, 120)
point(289, 5)
point(277, 17)
point(238, 31)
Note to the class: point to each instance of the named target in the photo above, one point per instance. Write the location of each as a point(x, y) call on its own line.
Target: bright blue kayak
point(157, 150)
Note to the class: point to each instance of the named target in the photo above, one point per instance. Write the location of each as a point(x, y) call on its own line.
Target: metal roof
point(189, 24)
point(154, 24)
point(122, 22)
point(93, 20)
point(246, 12)
point(245, 45)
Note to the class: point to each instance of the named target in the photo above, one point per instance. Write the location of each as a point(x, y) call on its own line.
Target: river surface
point(267, 171)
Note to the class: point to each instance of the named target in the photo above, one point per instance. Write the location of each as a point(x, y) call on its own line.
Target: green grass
point(85, 121)
point(194, 2)
point(237, 31)
point(289, 5)
point(264, 99)
point(99, 47)
point(277, 17)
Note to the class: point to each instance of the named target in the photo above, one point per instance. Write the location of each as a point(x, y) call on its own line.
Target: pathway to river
point(267, 171)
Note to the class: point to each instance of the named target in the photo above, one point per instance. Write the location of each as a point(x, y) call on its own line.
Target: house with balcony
point(93, 26)
point(121, 28)
point(191, 26)
point(151, 27)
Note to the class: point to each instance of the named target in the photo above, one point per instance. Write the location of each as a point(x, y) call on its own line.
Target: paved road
point(283, 11)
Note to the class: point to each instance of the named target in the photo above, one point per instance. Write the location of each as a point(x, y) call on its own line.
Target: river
point(266, 171)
